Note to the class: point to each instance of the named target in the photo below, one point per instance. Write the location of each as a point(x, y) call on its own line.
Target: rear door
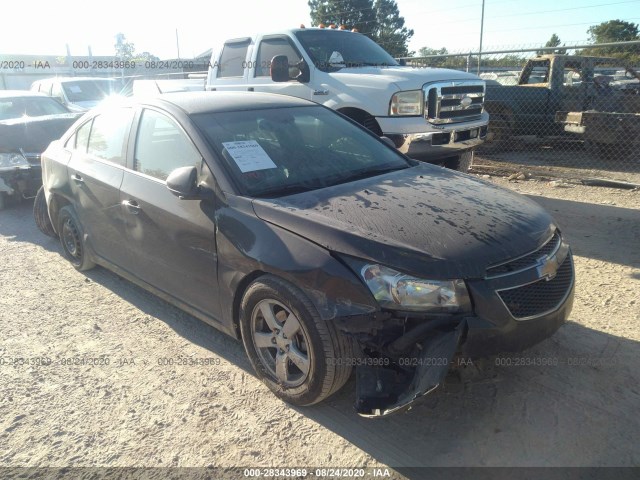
point(95, 175)
point(173, 240)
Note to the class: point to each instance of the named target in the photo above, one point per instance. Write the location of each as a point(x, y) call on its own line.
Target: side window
point(232, 59)
point(109, 134)
point(71, 142)
point(162, 146)
point(572, 76)
point(81, 137)
point(536, 72)
point(271, 47)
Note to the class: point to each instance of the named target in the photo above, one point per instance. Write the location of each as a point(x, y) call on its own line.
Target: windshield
point(331, 50)
point(17, 107)
point(90, 90)
point(278, 152)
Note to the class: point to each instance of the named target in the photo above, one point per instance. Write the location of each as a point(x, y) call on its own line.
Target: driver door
point(172, 240)
point(260, 75)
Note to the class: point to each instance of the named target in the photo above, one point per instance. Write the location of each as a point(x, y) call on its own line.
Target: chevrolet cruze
point(283, 223)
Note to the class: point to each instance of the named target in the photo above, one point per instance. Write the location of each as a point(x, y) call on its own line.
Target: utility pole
point(481, 32)
point(178, 44)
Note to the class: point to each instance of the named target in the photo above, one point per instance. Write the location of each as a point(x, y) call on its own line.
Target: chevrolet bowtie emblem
point(547, 267)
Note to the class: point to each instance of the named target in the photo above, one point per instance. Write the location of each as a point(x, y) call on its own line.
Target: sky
point(45, 27)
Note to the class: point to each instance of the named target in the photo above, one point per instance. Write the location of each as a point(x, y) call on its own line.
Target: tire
point(41, 214)
point(499, 133)
point(307, 365)
point(3, 200)
point(462, 162)
point(72, 239)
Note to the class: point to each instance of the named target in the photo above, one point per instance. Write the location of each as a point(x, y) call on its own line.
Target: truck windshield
point(280, 151)
point(331, 50)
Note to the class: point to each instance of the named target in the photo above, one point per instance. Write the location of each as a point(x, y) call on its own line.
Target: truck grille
point(528, 260)
point(451, 102)
point(542, 296)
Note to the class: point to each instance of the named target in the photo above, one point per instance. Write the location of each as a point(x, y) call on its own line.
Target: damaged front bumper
point(385, 391)
point(20, 174)
point(418, 352)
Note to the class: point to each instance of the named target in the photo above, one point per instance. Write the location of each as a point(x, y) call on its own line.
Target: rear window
point(88, 91)
point(232, 59)
point(17, 107)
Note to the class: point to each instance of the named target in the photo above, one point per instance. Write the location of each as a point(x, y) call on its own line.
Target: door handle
point(77, 178)
point(131, 206)
point(250, 89)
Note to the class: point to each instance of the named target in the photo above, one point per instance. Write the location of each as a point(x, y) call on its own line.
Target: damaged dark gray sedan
point(289, 226)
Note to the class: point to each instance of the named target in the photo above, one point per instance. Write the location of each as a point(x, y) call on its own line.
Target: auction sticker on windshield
point(249, 155)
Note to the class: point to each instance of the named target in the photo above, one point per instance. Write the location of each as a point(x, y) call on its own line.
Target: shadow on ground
point(603, 232)
point(573, 400)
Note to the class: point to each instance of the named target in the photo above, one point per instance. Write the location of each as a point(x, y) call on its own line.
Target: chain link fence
point(570, 112)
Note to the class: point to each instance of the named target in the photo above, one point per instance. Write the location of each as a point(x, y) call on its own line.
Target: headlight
point(12, 161)
point(398, 291)
point(406, 103)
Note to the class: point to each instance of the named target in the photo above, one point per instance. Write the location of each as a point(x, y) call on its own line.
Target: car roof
point(20, 93)
point(211, 102)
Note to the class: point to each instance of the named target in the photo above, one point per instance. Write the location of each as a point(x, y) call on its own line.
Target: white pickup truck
point(430, 114)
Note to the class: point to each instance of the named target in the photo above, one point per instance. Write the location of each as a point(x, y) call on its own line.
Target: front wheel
point(302, 358)
point(462, 162)
point(72, 239)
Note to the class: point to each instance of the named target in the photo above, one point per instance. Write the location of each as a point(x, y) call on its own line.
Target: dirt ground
point(158, 388)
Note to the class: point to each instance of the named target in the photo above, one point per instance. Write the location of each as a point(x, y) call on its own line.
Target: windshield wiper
point(283, 190)
point(370, 172)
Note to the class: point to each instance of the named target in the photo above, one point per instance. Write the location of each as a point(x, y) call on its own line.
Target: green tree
point(433, 61)
point(124, 49)
point(554, 41)
point(389, 30)
point(613, 31)
point(357, 14)
point(380, 20)
point(145, 56)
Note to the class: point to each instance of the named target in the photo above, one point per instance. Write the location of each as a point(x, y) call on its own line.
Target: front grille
point(539, 297)
point(528, 260)
point(450, 102)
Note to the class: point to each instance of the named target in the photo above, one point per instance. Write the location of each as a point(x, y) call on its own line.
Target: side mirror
point(305, 72)
point(280, 68)
point(182, 182)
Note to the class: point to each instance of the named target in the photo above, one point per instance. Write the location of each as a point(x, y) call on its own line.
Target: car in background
point(28, 123)
point(501, 77)
point(294, 228)
point(79, 93)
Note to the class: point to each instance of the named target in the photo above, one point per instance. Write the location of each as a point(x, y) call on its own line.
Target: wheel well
point(363, 118)
point(56, 203)
point(237, 299)
point(499, 109)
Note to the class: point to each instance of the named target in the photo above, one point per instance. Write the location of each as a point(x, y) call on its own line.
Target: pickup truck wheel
point(499, 133)
point(301, 357)
point(72, 239)
point(41, 214)
point(461, 162)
